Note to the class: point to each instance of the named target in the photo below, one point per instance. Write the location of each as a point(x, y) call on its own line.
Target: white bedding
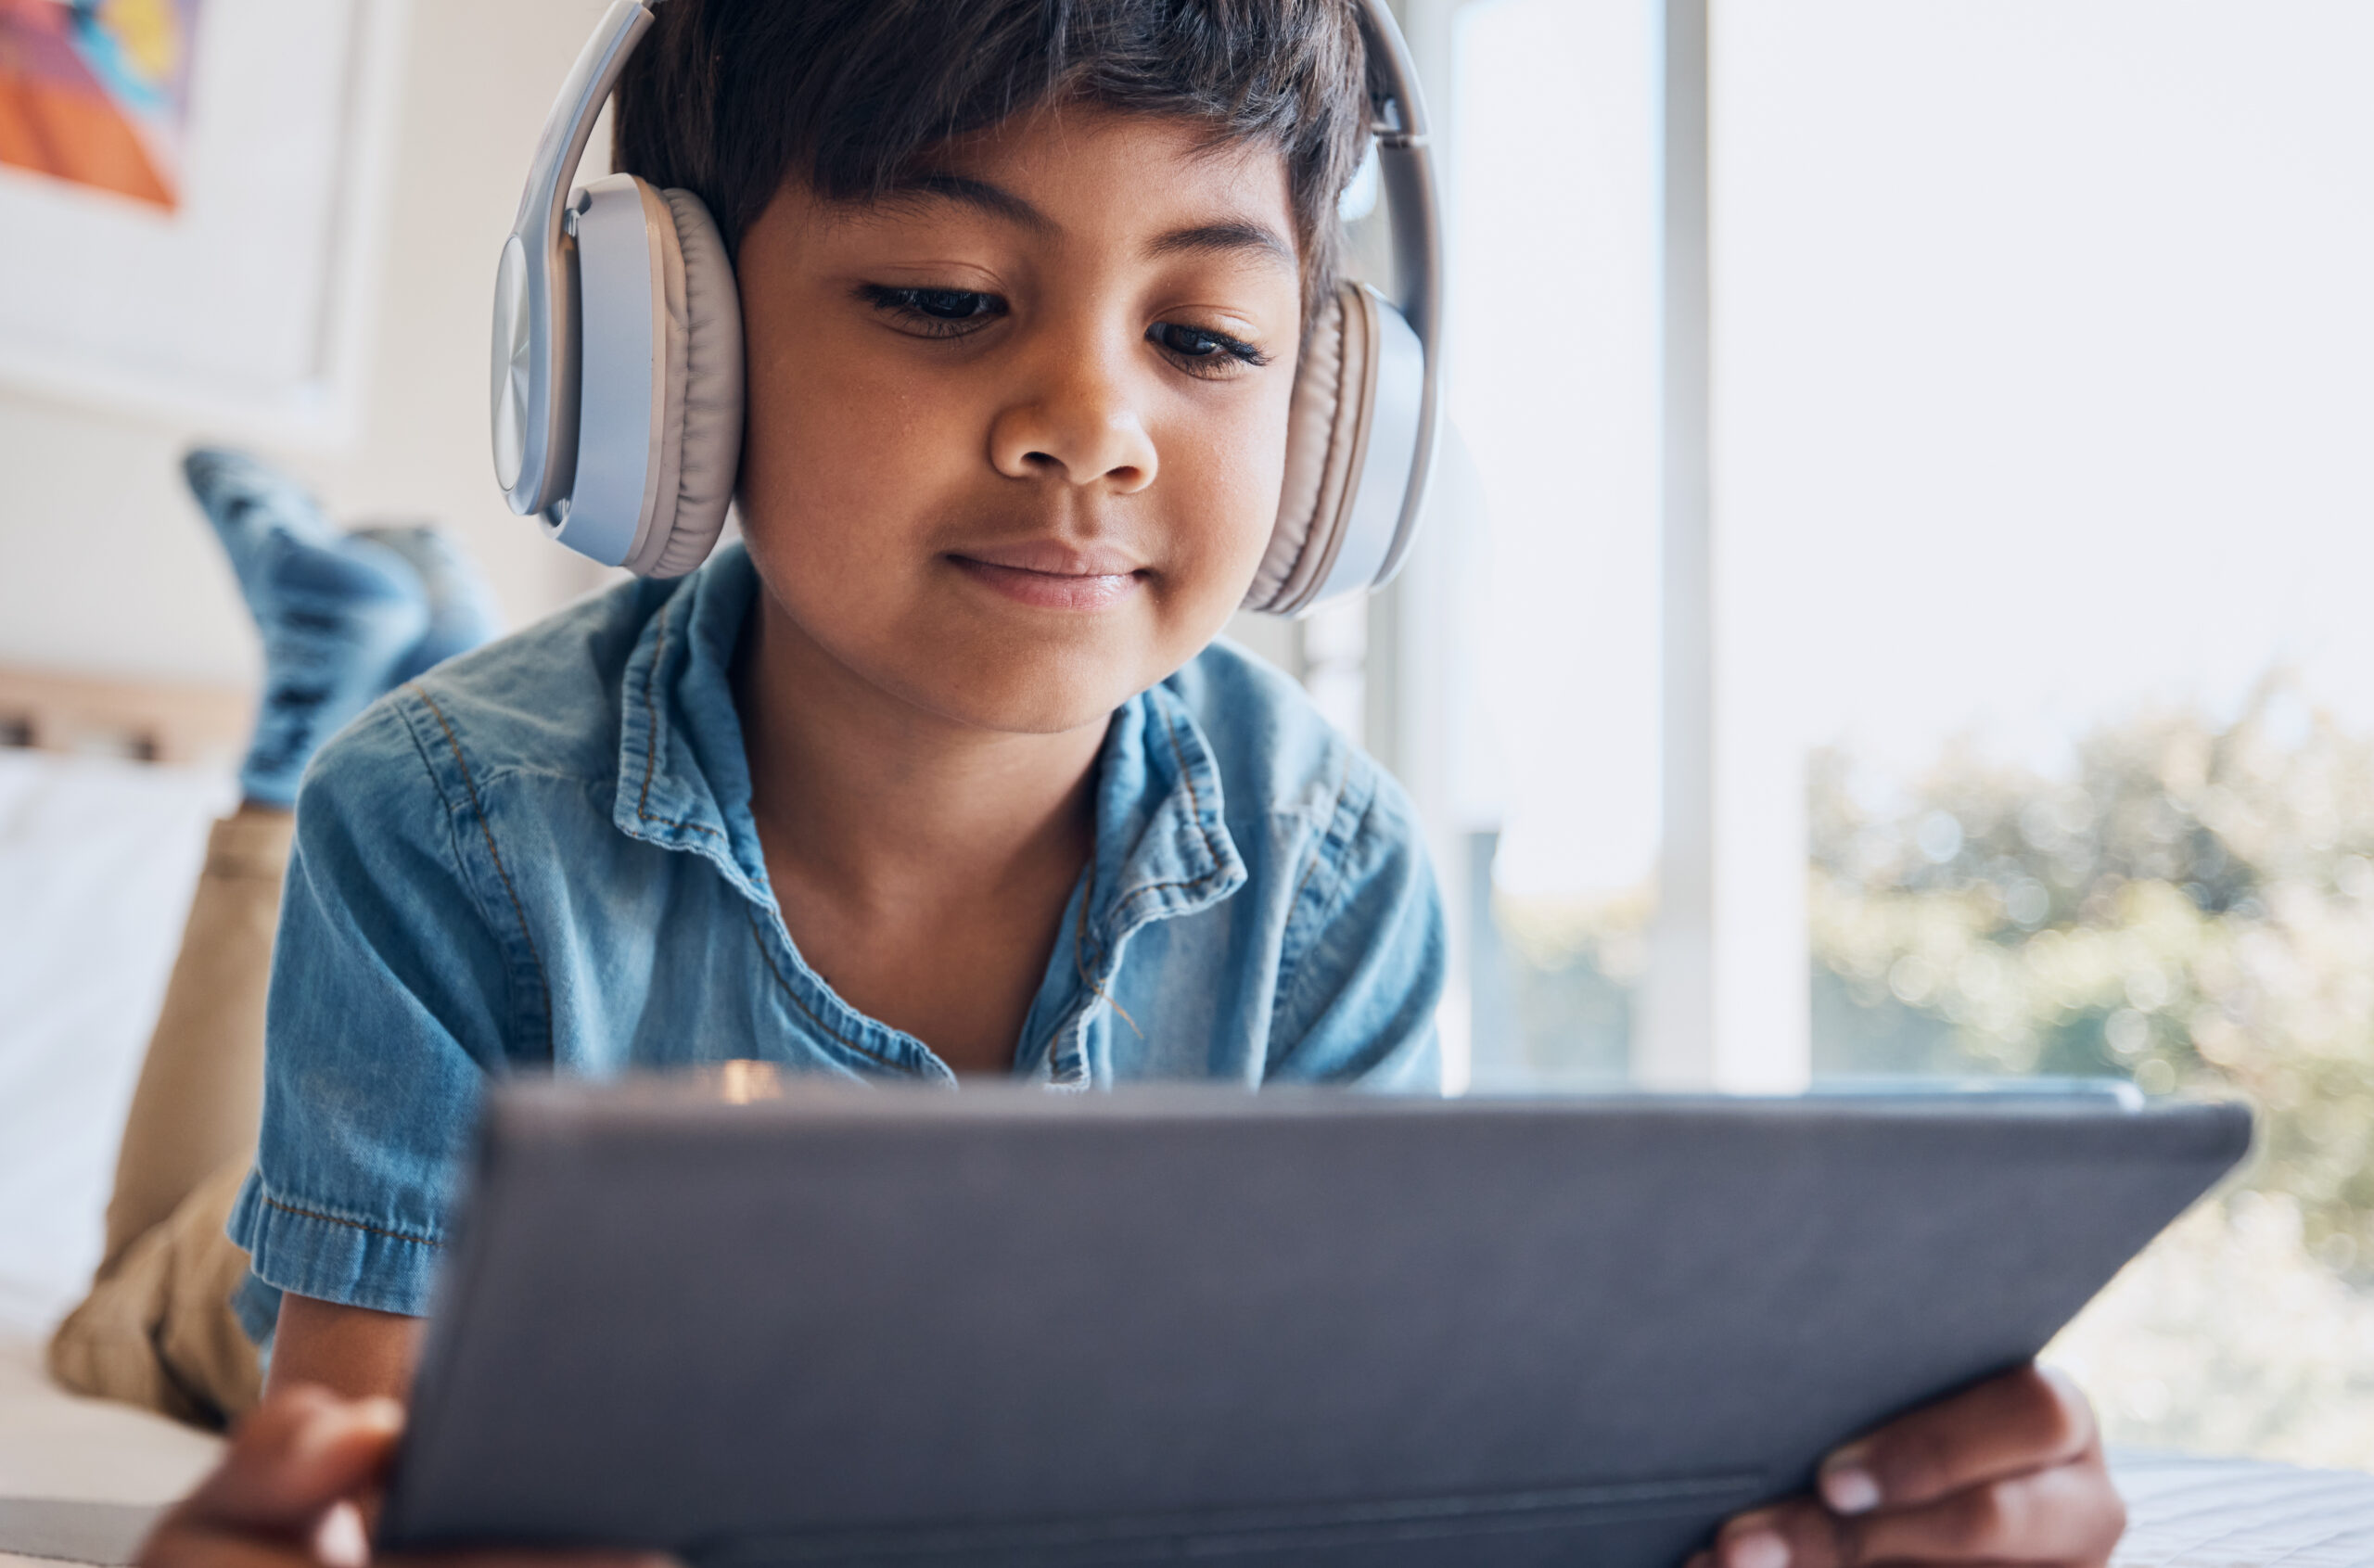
point(58, 1448)
point(2186, 1512)
point(56, 1445)
point(97, 859)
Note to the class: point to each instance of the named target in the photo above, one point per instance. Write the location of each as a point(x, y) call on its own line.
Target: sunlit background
point(2044, 370)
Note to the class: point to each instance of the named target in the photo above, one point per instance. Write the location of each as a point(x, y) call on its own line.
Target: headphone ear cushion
point(701, 423)
point(1326, 432)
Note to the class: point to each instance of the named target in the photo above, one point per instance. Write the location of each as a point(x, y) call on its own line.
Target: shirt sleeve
point(1366, 959)
point(393, 992)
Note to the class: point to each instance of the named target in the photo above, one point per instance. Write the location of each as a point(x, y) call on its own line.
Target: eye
point(935, 312)
point(1200, 350)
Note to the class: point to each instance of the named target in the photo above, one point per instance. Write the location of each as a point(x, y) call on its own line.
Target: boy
point(944, 774)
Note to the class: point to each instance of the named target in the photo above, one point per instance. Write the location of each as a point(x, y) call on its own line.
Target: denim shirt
point(540, 856)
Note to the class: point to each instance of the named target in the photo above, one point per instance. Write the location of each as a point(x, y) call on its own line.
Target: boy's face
point(1015, 437)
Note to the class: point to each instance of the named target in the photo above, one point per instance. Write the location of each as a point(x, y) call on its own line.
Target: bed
point(106, 792)
point(80, 1478)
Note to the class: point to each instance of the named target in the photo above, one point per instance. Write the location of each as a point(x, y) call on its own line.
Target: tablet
point(1009, 1327)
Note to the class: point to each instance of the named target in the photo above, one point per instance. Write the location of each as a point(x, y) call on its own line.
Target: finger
point(178, 1545)
point(530, 1559)
point(1797, 1534)
point(302, 1450)
point(2023, 1421)
point(2069, 1513)
point(199, 1546)
point(341, 1539)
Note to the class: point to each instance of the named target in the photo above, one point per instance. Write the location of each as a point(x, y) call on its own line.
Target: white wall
point(107, 568)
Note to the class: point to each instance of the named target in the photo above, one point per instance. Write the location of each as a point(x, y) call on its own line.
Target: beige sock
point(201, 1086)
point(156, 1329)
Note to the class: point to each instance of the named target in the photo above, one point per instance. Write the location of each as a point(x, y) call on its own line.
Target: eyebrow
point(1221, 239)
point(1228, 237)
point(977, 194)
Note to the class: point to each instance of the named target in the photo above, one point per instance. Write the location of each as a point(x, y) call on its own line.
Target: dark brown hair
point(732, 98)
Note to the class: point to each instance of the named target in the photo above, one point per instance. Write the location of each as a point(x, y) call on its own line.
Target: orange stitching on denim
point(271, 1201)
point(1159, 887)
point(1288, 964)
point(671, 821)
point(1079, 961)
point(1195, 800)
point(651, 716)
point(1195, 803)
point(760, 937)
point(1326, 827)
point(486, 828)
point(651, 736)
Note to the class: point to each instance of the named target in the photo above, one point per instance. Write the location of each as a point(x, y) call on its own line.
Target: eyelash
point(910, 305)
point(1230, 351)
point(1217, 353)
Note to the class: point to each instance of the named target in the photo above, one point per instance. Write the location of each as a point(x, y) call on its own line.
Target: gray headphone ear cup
point(701, 422)
point(1326, 438)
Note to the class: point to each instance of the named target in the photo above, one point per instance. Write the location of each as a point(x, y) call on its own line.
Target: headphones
point(618, 358)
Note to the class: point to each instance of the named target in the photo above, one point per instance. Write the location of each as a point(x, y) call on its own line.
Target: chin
point(1028, 712)
point(1034, 690)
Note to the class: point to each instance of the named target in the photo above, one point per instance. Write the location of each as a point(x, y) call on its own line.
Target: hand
point(2009, 1472)
point(289, 1494)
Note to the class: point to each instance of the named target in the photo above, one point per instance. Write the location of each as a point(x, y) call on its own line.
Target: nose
point(1079, 423)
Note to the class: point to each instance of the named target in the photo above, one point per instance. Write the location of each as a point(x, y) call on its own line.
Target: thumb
point(300, 1452)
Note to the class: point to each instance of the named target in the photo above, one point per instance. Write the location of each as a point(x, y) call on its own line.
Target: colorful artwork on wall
point(96, 92)
point(191, 195)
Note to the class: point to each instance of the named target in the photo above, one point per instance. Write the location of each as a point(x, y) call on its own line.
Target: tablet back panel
point(991, 1327)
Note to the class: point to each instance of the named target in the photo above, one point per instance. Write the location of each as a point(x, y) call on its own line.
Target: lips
point(1052, 558)
point(1049, 574)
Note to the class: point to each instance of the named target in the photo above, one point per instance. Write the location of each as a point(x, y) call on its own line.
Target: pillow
point(98, 860)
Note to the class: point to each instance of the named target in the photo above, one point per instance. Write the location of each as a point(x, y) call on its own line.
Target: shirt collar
point(684, 779)
point(1162, 841)
point(1162, 846)
point(1162, 851)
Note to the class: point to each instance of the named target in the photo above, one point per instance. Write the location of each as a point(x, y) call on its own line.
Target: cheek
point(1225, 472)
point(842, 454)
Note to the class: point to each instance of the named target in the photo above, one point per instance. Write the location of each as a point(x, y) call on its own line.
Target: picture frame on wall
point(191, 199)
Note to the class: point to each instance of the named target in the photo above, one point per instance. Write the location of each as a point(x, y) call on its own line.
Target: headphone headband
point(535, 365)
point(1406, 167)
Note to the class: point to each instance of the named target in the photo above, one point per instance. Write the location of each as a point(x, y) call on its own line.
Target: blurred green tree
point(2188, 902)
point(2193, 905)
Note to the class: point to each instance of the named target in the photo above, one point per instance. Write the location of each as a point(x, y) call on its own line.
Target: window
point(1551, 171)
point(2035, 703)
